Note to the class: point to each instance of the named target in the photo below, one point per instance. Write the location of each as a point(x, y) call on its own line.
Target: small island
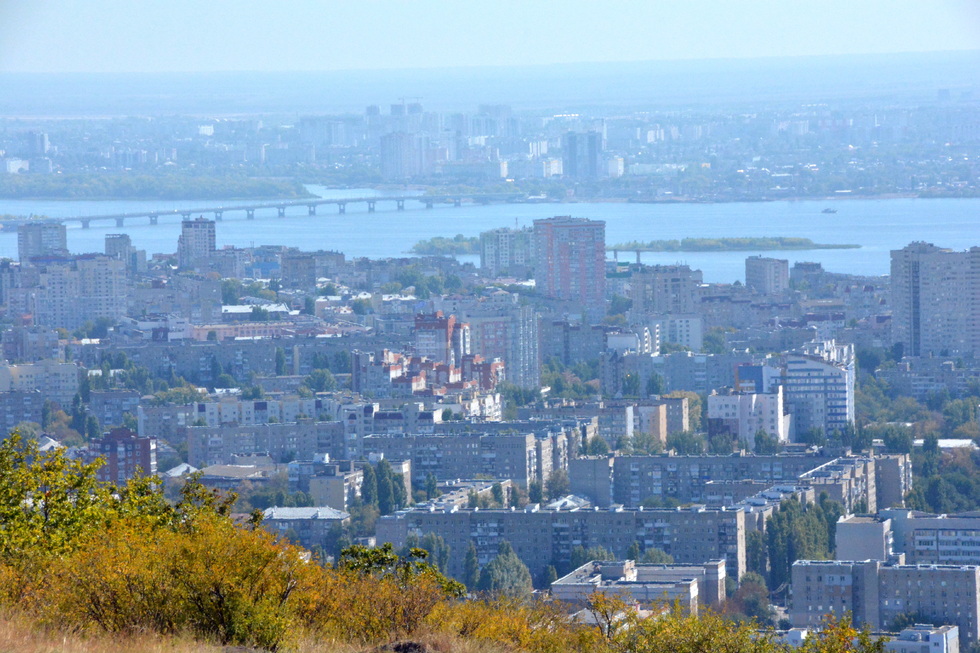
point(440, 246)
point(767, 243)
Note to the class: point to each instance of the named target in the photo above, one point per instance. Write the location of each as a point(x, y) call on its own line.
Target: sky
point(301, 35)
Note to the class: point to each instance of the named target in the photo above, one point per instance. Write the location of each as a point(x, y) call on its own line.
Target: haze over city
point(490, 326)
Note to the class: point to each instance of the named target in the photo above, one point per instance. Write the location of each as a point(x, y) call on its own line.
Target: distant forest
point(726, 244)
point(439, 246)
point(146, 187)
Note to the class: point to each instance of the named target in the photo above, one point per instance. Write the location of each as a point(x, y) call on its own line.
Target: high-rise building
point(72, 291)
point(658, 290)
point(400, 156)
point(120, 247)
point(767, 276)
point(125, 454)
point(41, 239)
point(501, 327)
point(196, 242)
point(441, 338)
point(876, 594)
point(507, 251)
point(571, 261)
point(935, 295)
point(582, 155)
point(819, 386)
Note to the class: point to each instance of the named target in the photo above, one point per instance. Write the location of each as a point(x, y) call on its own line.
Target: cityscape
point(603, 370)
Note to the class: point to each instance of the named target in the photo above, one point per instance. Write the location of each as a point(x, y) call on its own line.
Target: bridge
point(281, 206)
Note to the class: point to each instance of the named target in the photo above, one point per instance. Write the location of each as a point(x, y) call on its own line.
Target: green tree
point(557, 484)
point(471, 568)
point(506, 574)
point(655, 385)
point(369, 487)
point(320, 381)
point(766, 444)
point(280, 361)
point(431, 486)
point(657, 557)
point(686, 442)
point(534, 491)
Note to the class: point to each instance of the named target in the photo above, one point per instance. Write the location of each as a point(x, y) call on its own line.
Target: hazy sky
point(210, 35)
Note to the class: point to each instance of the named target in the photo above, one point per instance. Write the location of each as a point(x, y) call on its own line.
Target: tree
point(506, 574)
point(280, 361)
point(534, 491)
point(765, 444)
point(320, 381)
point(596, 446)
point(369, 487)
point(471, 568)
point(686, 442)
point(634, 553)
point(631, 385)
point(557, 484)
point(655, 385)
point(657, 557)
point(497, 490)
point(431, 486)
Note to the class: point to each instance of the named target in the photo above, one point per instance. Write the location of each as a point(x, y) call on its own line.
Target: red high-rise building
point(570, 261)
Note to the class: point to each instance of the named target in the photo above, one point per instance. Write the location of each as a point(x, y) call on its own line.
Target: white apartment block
point(507, 251)
point(935, 298)
point(58, 381)
point(744, 414)
point(819, 387)
point(875, 594)
point(767, 276)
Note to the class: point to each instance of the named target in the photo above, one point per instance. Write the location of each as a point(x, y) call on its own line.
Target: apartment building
point(57, 381)
point(935, 539)
point(767, 276)
point(126, 455)
point(571, 262)
point(546, 537)
point(507, 252)
point(935, 299)
point(683, 478)
point(690, 586)
point(875, 594)
point(742, 415)
point(212, 445)
point(819, 387)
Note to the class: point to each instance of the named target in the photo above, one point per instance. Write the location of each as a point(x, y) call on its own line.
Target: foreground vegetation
point(91, 567)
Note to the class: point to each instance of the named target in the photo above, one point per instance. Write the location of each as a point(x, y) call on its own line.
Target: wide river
point(877, 225)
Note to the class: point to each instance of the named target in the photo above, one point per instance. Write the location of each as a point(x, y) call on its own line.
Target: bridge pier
point(457, 201)
point(185, 215)
point(637, 257)
point(85, 224)
point(282, 210)
point(370, 207)
point(311, 209)
point(616, 255)
point(120, 221)
point(249, 214)
point(154, 218)
point(428, 204)
point(218, 215)
point(400, 204)
point(341, 207)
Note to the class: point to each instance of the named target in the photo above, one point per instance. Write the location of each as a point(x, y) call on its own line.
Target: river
point(878, 225)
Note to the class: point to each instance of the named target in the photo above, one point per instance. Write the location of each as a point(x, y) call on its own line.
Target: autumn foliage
point(89, 560)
